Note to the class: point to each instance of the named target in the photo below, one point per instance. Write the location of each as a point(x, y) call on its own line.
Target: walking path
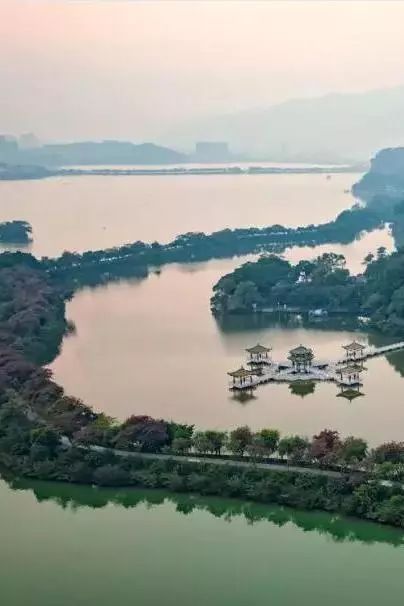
point(214, 461)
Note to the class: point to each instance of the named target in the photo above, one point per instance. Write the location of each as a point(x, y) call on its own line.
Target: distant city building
point(212, 151)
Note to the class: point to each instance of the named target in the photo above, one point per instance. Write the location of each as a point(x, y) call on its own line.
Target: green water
point(161, 352)
point(66, 545)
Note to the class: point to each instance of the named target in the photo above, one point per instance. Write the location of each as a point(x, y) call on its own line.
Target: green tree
point(239, 439)
point(45, 437)
point(353, 450)
point(216, 440)
point(245, 297)
point(392, 452)
point(201, 442)
point(293, 447)
point(256, 448)
point(368, 259)
point(181, 445)
point(270, 439)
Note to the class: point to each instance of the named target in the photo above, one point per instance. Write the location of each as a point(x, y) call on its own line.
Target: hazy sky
point(72, 69)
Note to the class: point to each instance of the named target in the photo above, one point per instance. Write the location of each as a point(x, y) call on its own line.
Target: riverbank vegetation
point(46, 434)
point(33, 450)
point(32, 308)
point(104, 265)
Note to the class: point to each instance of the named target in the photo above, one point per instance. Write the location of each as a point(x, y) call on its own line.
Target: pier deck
point(324, 371)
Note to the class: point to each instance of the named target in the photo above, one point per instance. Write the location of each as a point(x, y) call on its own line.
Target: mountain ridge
point(336, 126)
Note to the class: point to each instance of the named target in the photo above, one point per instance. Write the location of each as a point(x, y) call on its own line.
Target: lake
point(151, 346)
point(67, 545)
point(87, 213)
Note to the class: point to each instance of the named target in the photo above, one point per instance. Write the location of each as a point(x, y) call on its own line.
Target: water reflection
point(336, 527)
point(162, 327)
point(287, 321)
point(302, 388)
point(396, 360)
point(350, 394)
point(243, 397)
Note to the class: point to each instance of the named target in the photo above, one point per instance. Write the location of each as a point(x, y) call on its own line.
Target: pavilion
point(354, 350)
point(350, 375)
point(242, 378)
point(258, 355)
point(301, 358)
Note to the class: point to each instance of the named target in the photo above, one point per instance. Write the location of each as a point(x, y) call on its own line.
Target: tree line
point(104, 265)
point(47, 434)
point(33, 450)
point(323, 283)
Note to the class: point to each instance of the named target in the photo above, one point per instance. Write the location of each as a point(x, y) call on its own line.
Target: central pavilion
point(301, 358)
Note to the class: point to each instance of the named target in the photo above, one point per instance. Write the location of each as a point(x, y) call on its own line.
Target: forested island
point(15, 232)
point(321, 284)
point(47, 434)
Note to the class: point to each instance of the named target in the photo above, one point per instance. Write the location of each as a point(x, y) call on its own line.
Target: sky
point(94, 69)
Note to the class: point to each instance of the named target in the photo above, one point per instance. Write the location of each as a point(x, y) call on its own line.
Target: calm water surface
point(152, 346)
point(86, 213)
point(66, 545)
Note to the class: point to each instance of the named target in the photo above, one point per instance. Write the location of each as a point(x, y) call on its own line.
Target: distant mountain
point(335, 127)
point(104, 152)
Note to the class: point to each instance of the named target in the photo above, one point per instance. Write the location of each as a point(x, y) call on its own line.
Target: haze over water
point(176, 73)
point(88, 213)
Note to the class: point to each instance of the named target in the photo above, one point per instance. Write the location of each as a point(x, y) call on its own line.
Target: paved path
point(213, 461)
